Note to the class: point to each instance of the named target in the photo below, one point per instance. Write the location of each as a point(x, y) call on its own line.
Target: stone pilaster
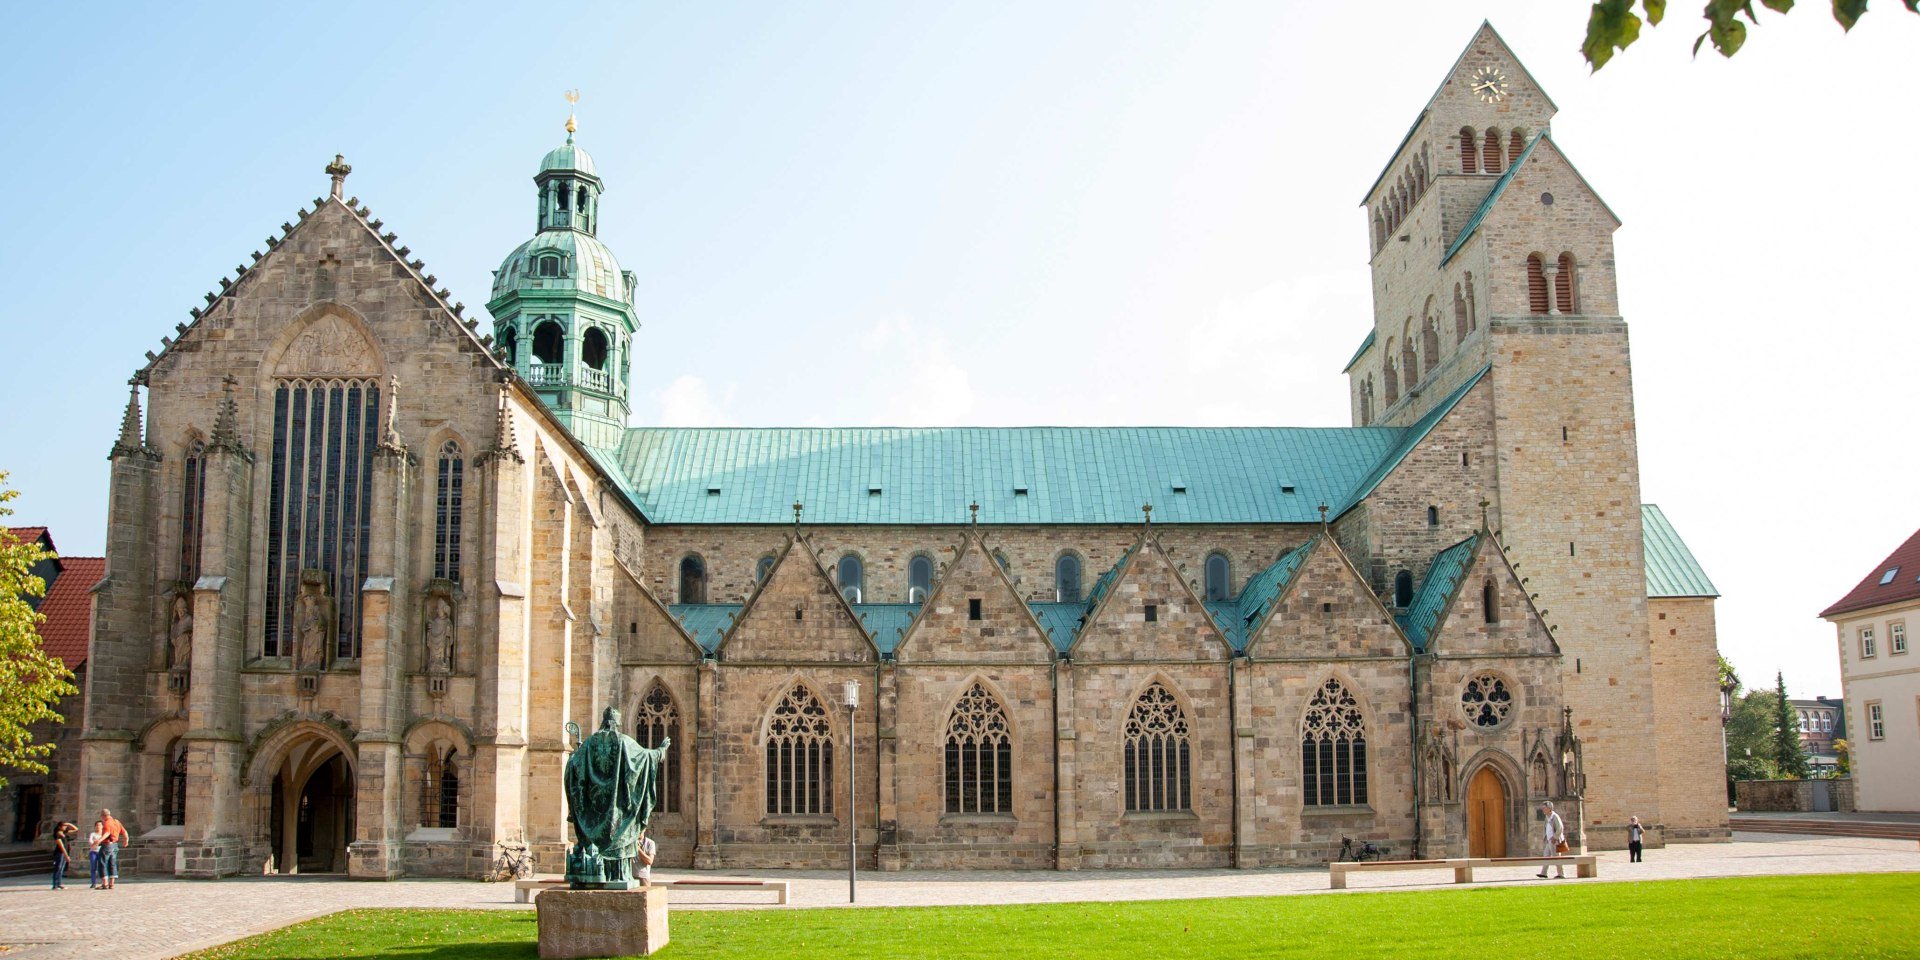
point(1066, 844)
point(501, 645)
point(706, 856)
point(1246, 788)
point(547, 666)
point(380, 821)
point(886, 705)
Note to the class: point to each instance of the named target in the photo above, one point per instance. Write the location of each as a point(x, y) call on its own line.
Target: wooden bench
point(1585, 865)
point(525, 890)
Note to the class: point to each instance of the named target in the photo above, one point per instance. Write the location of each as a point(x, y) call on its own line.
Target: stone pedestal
point(601, 923)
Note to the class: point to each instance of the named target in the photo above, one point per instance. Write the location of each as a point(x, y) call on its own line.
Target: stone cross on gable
point(338, 170)
point(796, 513)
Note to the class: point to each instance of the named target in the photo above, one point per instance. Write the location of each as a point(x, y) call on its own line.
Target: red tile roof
point(1901, 573)
point(69, 609)
point(27, 534)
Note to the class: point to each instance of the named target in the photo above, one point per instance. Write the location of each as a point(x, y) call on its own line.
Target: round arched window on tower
point(593, 348)
point(549, 343)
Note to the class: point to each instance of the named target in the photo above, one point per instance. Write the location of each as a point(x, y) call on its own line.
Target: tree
point(31, 682)
point(1788, 753)
point(1843, 758)
point(1729, 687)
point(1613, 24)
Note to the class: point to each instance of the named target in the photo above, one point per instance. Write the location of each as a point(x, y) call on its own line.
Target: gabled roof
point(887, 622)
point(709, 623)
point(1240, 617)
point(1061, 621)
point(1892, 580)
point(1437, 591)
point(1500, 187)
point(798, 541)
point(30, 534)
point(1671, 569)
point(68, 609)
point(1365, 345)
point(1409, 438)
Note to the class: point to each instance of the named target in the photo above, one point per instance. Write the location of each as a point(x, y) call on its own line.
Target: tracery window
point(919, 579)
point(693, 579)
point(1219, 577)
point(319, 503)
point(449, 489)
point(656, 722)
point(1486, 701)
point(1159, 754)
point(440, 789)
point(1333, 748)
point(853, 575)
point(1067, 579)
point(193, 498)
point(173, 793)
point(979, 755)
point(799, 755)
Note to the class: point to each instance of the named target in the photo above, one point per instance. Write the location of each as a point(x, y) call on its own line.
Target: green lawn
point(1830, 917)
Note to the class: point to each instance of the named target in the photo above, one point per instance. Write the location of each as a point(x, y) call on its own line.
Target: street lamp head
point(853, 694)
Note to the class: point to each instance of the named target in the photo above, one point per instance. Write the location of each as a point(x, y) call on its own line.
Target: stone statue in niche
point(313, 621)
point(439, 633)
point(180, 631)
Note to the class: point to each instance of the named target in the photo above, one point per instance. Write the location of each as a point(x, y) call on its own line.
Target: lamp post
point(853, 826)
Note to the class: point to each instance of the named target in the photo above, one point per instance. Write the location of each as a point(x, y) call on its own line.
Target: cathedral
point(374, 566)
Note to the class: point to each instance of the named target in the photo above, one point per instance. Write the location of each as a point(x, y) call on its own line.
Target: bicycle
point(515, 863)
point(1360, 854)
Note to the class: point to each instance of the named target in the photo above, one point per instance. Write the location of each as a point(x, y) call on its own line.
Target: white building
point(1880, 680)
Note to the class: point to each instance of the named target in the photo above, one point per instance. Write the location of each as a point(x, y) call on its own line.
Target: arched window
point(852, 574)
point(1390, 375)
point(979, 755)
point(1403, 589)
point(550, 266)
point(1486, 701)
point(1159, 755)
point(319, 505)
point(1490, 601)
point(193, 498)
point(919, 579)
point(1419, 179)
point(509, 344)
point(1333, 749)
point(1516, 143)
point(1409, 356)
point(173, 792)
point(693, 579)
point(1433, 516)
point(1469, 152)
point(593, 348)
point(1473, 316)
point(1490, 161)
point(447, 807)
point(1536, 285)
point(1219, 577)
point(1066, 579)
point(1429, 341)
point(549, 343)
point(1459, 315)
point(799, 755)
point(1379, 231)
point(1563, 284)
point(656, 722)
point(1005, 565)
point(449, 489)
point(762, 568)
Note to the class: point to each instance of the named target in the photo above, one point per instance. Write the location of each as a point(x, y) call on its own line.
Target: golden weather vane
point(573, 97)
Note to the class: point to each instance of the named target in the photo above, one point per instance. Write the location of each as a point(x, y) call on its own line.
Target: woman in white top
point(645, 859)
point(94, 839)
point(1555, 831)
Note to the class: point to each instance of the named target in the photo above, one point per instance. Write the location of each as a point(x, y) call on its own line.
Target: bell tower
point(563, 309)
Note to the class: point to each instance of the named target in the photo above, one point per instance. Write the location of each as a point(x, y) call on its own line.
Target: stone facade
point(391, 693)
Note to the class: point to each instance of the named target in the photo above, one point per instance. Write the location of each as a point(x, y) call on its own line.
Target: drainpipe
point(1413, 723)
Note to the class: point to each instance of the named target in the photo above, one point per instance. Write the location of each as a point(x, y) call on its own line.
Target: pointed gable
point(653, 633)
point(946, 629)
point(1144, 609)
point(797, 616)
point(1324, 611)
point(1449, 615)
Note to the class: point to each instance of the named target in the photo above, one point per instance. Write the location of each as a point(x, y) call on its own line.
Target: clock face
point(1490, 84)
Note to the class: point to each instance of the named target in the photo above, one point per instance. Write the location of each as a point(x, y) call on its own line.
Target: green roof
point(1365, 345)
point(1408, 439)
point(1443, 578)
point(890, 475)
point(1493, 195)
point(707, 622)
point(568, 158)
point(1671, 569)
point(588, 266)
point(1062, 621)
point(1238, 618)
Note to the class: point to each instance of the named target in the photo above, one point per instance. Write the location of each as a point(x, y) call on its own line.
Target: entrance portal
point(1486, 815)
point(312, 816)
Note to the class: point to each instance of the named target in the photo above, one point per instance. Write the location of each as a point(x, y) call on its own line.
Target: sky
point(1005, 214)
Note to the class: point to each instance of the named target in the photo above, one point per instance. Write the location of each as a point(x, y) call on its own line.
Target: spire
point(390, 442)
point(573, 97)
point(226, 423)
point(506, 445)
point(129, 443)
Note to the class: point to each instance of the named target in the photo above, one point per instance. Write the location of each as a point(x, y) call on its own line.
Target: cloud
point(1263, 357)
point(689, 402)
point(921, 383)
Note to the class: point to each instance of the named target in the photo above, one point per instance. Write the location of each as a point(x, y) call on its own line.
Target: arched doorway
point(312, 809)
point(1486, 814)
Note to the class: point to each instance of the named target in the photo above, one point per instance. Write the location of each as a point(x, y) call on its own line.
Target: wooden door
point(1486, 815)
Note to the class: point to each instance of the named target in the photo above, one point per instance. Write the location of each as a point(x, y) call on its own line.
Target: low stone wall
point(1790, 796)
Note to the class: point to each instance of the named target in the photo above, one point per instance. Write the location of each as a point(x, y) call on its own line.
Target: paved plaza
point(155, 919)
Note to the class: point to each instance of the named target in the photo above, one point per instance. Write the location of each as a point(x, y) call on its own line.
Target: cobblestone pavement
point(156, 919)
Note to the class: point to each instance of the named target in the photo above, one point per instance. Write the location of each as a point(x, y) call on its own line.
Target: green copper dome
point(568, 158)
point(576, 261)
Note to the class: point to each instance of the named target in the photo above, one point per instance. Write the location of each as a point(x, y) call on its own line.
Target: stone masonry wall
point(1686, 705)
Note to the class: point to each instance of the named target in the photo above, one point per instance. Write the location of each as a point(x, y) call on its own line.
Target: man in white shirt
point(1556, 831)
point(644, 859)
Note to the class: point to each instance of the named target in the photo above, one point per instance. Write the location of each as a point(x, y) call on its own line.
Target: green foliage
point(1854, 915)
point(1843, 756)
point(1613, 25)
point(1750, 726)
point(1787, 752)
point(31, 682)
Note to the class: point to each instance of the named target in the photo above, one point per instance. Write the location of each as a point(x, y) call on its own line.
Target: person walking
point(115, 836)
point(1634, 835)
point(94, 839)
point(62, 855)
point(1553, 840)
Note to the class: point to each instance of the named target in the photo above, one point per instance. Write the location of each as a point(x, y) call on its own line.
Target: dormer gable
point(1473, 603)
point(1325, 611)
point(650, 632)
point(798, 615)
point(975, 614)
point(1144, 609)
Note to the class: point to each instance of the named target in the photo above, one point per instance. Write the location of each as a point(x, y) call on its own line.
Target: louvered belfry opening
point(1536, 285)
point(1516, 143)
point(1563, 284)
point(1490, 160)
point(1469, 152)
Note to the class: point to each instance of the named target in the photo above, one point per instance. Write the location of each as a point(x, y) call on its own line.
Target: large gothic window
point(979, 755)
point(799, 755)
point(173, 791)
point(1158, 758)
point(448, 490)
point(1486, 701)
point(193, 498)
point(1333, 749)
point(319, 503)
point(657, 722)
